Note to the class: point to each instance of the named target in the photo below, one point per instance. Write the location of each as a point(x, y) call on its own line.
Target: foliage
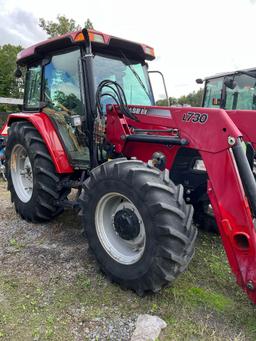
point(163, 102)
point(9, 85)
point(194, 99)
point(3, 118)
point(88, 24)
point(71, 102)
point(62, 25)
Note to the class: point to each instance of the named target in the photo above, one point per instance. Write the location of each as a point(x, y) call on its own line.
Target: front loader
point(90, 122)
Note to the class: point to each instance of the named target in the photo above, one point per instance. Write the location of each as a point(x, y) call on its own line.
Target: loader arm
point(215, 136)
point(245, 121)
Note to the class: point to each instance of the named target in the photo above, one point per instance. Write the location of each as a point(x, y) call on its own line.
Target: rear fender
point(48, 133)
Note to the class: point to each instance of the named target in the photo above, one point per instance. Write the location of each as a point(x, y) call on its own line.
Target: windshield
point(132, 76)
point(243, 96)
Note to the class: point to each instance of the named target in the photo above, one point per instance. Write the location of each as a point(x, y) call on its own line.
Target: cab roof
point(230, 73)
point(97, 39)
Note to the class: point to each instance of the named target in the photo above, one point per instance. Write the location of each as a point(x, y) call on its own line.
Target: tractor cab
point(231, 91)
point(60, 83)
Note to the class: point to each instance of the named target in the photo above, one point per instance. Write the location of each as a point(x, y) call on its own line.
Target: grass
point(203, 303)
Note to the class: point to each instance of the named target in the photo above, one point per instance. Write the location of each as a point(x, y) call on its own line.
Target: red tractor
point(90, 122)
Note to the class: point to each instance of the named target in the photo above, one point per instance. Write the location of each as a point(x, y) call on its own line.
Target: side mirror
point(18, 72)
point(199, 81)
point(230, 83)
point(164, 84)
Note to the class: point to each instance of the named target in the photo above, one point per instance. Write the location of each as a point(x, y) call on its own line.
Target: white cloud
point(192, 39)
point(19, 27)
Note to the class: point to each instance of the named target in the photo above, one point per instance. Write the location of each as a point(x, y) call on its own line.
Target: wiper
point(127, 62)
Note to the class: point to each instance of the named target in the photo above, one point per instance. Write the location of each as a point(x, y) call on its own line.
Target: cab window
point(33, 88)
point(61, 83)
point(242, 97)
point(212, 97)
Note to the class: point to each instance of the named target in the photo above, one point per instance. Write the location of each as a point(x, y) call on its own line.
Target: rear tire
point(160, 231)
point(28, 163)
point(204, 217)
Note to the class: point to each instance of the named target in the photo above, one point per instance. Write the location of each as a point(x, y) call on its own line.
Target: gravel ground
point(55, 253)
point(51, 289)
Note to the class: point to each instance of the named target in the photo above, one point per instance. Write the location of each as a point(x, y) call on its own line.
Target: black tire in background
point(169, 233)
point(44, 203)
point(203, 217)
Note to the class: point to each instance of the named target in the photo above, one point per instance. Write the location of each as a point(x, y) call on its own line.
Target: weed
point(13, 242)
point(197, 295)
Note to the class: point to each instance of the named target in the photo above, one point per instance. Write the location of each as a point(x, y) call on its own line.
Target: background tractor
point(90, 122)
point(235, 92)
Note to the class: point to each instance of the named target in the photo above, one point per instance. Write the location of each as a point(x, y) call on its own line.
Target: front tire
point(32, 179)
point(137, 224)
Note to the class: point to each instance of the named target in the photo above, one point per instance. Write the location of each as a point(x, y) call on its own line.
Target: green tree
point(9, 85)
point(194, 99)
point(163, 102)
point(88, 24)
point(62, 25)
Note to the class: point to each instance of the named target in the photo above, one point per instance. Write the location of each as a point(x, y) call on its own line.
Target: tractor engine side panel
point(144, 151)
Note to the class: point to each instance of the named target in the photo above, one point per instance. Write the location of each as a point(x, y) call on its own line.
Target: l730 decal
point(195, 117)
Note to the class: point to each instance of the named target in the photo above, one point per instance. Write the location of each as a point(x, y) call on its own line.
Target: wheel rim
point(21, 173)
point(119, 248)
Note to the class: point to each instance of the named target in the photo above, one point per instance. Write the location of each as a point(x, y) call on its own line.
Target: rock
point(148, 328)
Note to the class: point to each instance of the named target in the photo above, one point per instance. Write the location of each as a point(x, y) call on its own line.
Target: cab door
point(62, 94)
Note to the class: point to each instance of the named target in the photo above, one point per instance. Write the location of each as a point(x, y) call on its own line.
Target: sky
point(192, 38)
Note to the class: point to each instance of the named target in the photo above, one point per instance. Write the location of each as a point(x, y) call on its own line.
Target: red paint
point(245, 121)
point(225, 189)
point(46, 129)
